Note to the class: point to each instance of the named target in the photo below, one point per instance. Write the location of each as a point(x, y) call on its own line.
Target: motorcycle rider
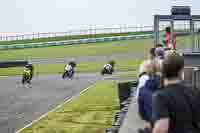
point(109, 67)
point(26, 75)
point(69, 68)
point(31, 67)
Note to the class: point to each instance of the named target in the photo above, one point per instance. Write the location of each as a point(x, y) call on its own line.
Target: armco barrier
point(71, 42)
point(6, 64)
point(126, 91)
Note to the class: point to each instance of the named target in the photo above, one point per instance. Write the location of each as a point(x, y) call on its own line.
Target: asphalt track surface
point(100, 58)
point(20, 105)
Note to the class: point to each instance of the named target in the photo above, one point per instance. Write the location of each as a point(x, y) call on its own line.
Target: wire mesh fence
point(93, 31)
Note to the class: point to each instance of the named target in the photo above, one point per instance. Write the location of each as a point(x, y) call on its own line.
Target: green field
point(124, 65)
point(107, 48)
point(129, 75)
point(92, 112)
point(74, 37)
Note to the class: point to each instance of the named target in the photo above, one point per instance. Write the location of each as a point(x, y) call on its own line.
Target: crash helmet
point(112, 62)
point(29, 65)
point(72, 62)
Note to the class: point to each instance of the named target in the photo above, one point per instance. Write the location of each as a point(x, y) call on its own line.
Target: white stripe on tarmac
point(56, 108)
point(59, 106)
point(4, 76)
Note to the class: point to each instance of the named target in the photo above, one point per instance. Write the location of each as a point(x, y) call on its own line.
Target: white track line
point(56, 108)
point(59, 106)
point(4, 76)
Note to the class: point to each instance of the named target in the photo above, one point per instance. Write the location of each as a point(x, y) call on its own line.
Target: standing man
point(168, 39)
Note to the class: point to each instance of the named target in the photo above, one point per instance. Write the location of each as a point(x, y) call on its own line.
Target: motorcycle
point(107, 71)
point(26, 78)
point(68, 74)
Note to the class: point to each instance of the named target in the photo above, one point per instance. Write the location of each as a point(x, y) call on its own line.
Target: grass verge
point(107, 48)
point(92, 112)
point(122, 65)
point(128, 75)
point(93, 49)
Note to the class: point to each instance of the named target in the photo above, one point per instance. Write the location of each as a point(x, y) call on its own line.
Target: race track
point(99, 58)
point(20, 105)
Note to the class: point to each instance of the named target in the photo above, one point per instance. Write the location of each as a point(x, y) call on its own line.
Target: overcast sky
point(61, 15)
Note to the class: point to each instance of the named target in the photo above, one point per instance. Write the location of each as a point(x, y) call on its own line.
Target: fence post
point(90, 32)
point(38, 35)
point(184, 26)
point(33, 36)
point(124, 29)
point(95, 32)
point(120, 30)
point(16, 37)
point(68, 34)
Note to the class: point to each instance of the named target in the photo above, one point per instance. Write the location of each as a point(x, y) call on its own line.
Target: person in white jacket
point(143, 75)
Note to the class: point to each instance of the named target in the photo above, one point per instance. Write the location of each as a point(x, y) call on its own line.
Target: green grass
point(70, 38)
point(107, 48)
point(124, 65)
point(184, 42)
point(92, 112)
point(129, 75)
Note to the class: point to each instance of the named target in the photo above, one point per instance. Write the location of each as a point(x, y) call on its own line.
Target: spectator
point(158, 45)
point(155, 53)
point(152, 53)
point(159, 52)
point(143, 75)
point(151, 84)
point(170, 44)
point(174, 108)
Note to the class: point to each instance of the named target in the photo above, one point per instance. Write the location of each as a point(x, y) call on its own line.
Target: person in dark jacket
point(175, 107)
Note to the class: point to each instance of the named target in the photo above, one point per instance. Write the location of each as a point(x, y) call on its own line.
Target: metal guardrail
point(71, 42)
point(6, 64)
point(192, 76)
point(126, 92)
